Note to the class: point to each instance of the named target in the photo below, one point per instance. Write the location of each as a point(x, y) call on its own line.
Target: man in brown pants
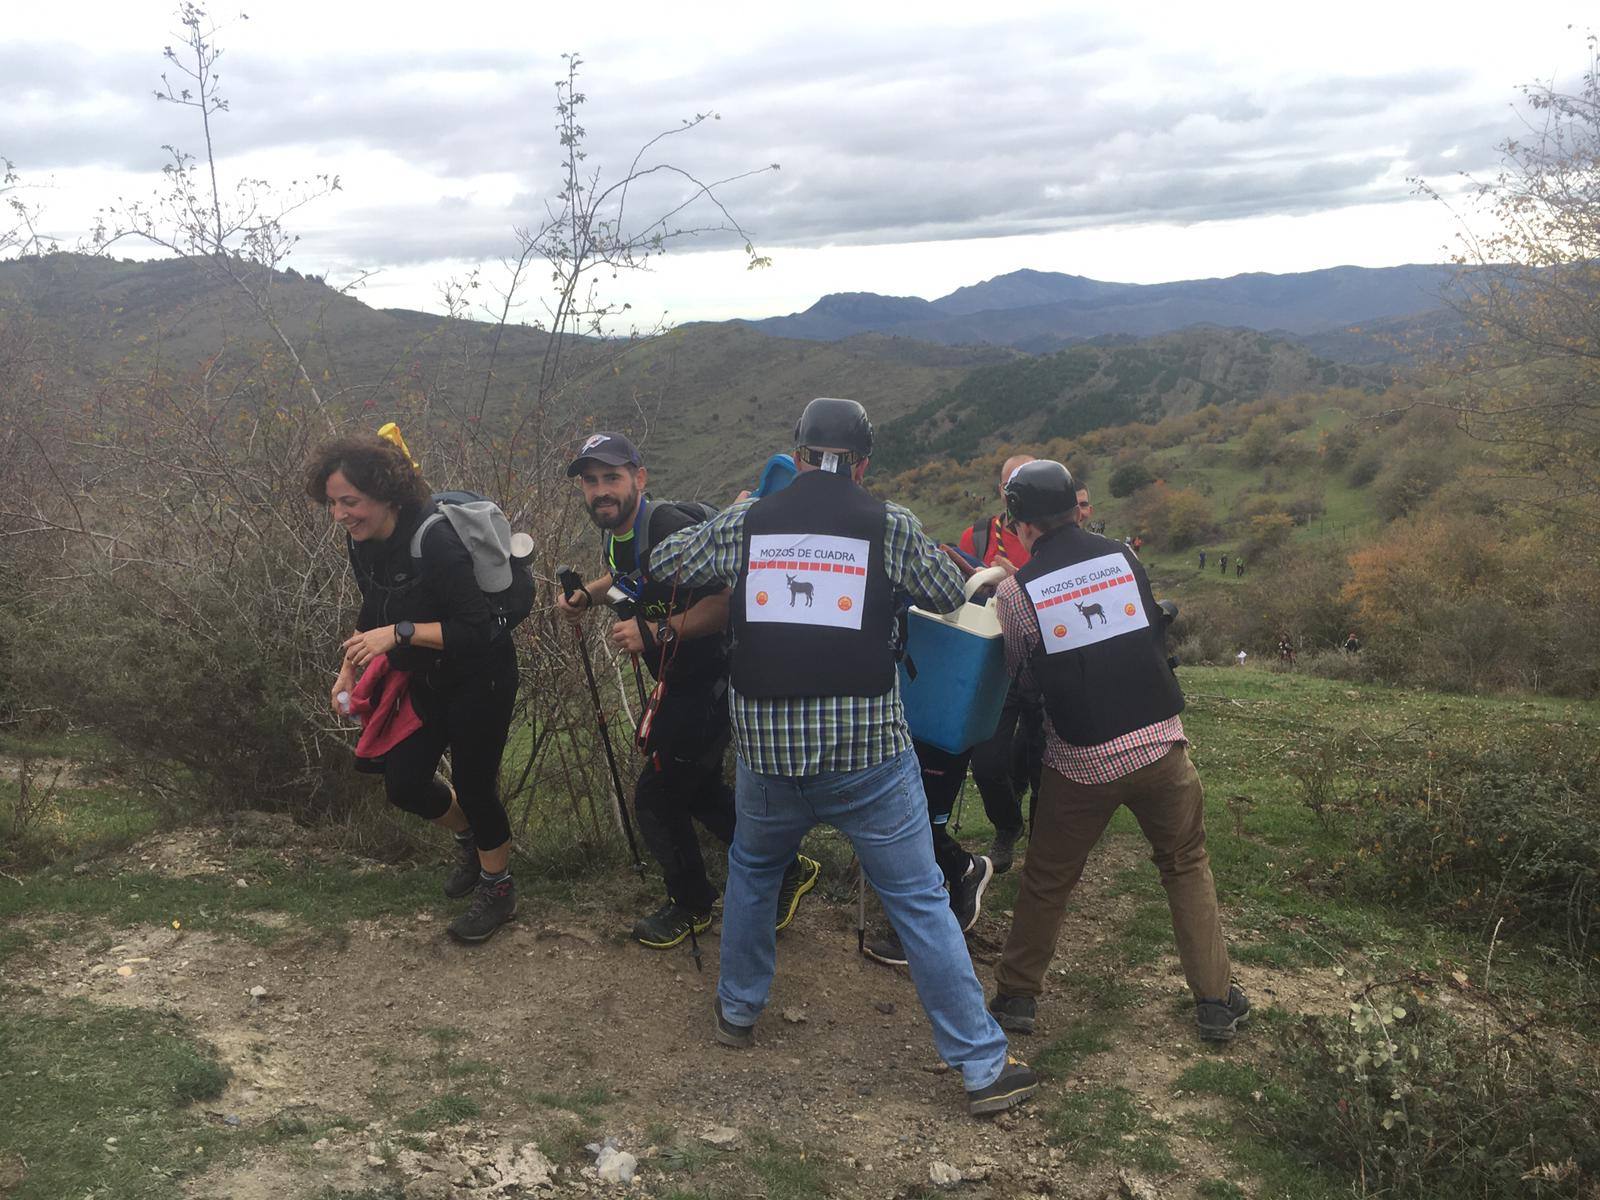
point(1082, 626)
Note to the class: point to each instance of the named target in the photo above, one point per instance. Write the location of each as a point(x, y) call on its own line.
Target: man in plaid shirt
point(1081, 626)
point(820, 732)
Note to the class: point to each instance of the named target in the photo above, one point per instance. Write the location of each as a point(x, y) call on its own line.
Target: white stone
point(943, 1174)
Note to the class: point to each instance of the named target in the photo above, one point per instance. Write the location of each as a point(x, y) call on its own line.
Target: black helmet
point(1040, 488)
point(835, 425)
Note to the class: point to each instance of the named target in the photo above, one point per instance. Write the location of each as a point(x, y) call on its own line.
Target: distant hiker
point(428, 616)
point(821, 734)
point(1138, 543)
point(1113, 738)
point(1202, 560)
point(1352, 644)
point(1006, 764)
point(1224, 561)
point(1286, 649)
point(1238, 568)
point(1240, 657)
point(679, 634)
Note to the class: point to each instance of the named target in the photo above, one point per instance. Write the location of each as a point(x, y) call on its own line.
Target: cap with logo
point(613, 449)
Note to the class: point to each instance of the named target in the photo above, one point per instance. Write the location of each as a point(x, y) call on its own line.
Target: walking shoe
point(1016, 1082)
point(1016, 1014)
point(492, 906)
point(799, 879)
point(885, 947)
point(465, 874)
point(966, 897)
point(1219, 1020)
point(669, 925)
point(1003, 849)
point(740, 1037)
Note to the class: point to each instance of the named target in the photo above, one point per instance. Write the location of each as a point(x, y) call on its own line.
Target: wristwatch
point(404, 631)
point(665, 633)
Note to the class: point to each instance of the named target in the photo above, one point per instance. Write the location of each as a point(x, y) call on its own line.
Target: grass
point(99, 1100)
point(787, 1172)
point(1106, 1121)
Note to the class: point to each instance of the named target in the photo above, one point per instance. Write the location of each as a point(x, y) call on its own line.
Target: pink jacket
point(381, 701)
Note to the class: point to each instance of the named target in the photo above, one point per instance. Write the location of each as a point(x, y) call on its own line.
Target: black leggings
point(472, 718)
point(942, 776)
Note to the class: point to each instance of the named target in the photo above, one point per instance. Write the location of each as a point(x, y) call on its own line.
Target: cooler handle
point(983, 578)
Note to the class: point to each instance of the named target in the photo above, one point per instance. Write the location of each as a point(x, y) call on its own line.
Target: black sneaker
point(885, 947)
point(1219, 1020)
point(492, 906)
point(668, 926)
point(1003, 849)
point(467, 871)
point(740, 1037)
point(966, 897)
point(1016, 1014)
point(1015, 1084)
point(799, 879)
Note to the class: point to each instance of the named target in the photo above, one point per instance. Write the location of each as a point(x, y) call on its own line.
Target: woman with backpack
point(427, 616)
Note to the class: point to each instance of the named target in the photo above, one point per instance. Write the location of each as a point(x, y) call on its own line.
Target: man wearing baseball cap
point(679, 634)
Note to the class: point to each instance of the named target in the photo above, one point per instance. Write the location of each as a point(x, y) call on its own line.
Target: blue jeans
point(883, 812)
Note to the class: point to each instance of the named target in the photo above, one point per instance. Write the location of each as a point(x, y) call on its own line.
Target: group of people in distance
point(807, 691)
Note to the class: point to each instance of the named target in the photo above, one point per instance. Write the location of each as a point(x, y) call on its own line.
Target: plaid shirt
point(1102, 763)
point(805, 735)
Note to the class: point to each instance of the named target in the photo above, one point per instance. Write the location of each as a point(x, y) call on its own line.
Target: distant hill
point(1039, 311)
point(1107, 383)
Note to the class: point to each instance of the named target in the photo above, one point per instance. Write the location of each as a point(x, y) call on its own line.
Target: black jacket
point(445, 590)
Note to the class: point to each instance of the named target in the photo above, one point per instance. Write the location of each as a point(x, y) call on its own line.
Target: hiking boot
point(885, 947)
point(1219, 1020)
point(492, 906)
point(669, 925)
point(1003, 849)
point(1016, 1014)
point(1016, 1082)
point(468, 870)
point(740, 1037)
point(966, 897)
point(799, 879)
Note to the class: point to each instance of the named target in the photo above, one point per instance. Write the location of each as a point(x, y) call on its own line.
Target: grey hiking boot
point(885, 947)
point(1003, 849)
point(1015, 1014)
point(739, 1037)
point(966, 897)
point(492, 906)
point(464, 875)
point(1015, 1083)
point(1219, 1020)
point(669, 925)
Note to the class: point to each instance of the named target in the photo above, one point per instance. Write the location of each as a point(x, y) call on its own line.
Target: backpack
point(981, 529)
point(698, 512)
point(486, 533)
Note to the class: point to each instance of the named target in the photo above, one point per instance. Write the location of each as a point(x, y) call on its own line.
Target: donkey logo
point(1090, 613)
point(797, 588)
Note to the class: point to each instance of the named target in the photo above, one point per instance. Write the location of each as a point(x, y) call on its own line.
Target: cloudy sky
point(922, 147)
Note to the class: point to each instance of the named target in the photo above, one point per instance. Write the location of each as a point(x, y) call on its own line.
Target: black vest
point(1097, 648)
point(811, 611)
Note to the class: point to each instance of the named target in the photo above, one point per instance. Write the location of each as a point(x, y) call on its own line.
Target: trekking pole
point(861, 907)
point(571, 585)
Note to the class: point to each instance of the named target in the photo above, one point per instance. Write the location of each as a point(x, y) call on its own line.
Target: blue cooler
point(954, 702)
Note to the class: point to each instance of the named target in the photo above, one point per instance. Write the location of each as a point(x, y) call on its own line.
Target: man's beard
point(614, 521)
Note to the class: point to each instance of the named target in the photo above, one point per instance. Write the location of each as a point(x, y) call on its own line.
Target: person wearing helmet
point(820, 732)
point(1082, 626)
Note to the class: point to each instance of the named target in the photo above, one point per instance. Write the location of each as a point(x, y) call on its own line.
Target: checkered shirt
point(805, 735)
point(1102, 763)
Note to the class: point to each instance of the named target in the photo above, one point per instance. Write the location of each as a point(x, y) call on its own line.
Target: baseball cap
point(610, 448)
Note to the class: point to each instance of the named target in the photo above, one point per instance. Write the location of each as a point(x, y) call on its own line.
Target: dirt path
point(559, 1031)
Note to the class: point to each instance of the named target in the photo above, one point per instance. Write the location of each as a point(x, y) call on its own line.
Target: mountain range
point(1040, 311)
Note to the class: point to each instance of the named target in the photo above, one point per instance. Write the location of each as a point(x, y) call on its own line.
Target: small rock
point(794, 1016)
point(125, 971)
point(429, 1187)
point(938, 1068)
point(720, 1135)
point(978, 1172)
point(374, 1160)
point(240, 883)
point(1135, 1187)
point(257, 992)
point(321, 1144)
point(81, 869)
point(943, 1174)
point(615, 1166)
point(231, 1121)
point(886, 1007)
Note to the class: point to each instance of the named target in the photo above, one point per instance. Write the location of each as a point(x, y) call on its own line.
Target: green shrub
point(1490, 836)
point(1400, 1097)
point(1128, 479)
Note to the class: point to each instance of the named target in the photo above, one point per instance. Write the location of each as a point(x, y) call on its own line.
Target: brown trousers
point(1168, 802)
